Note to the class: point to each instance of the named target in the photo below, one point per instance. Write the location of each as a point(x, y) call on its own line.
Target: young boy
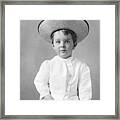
point(63, 77)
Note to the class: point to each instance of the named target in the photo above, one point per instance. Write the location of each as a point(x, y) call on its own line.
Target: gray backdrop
point(33, 51)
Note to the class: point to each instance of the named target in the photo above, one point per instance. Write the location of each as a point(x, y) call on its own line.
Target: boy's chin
point(65, 56)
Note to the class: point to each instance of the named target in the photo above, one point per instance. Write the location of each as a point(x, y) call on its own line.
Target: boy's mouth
point(63, 50)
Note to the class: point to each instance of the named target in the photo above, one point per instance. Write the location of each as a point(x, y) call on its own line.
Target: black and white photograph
point(56, 59)
point(60, 59)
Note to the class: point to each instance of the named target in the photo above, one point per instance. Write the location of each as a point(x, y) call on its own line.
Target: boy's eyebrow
point(63, 40)
point(57, 39)
point(68, 39)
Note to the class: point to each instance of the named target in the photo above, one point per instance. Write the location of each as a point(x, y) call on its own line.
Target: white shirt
point(69, 79)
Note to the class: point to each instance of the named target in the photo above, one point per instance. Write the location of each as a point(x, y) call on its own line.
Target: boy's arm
point(42, 79)
point(85, 86)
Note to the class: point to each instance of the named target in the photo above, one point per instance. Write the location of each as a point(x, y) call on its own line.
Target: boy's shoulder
point(49, 61)
point(55, 59)
point(80, 63)
point(45, 63)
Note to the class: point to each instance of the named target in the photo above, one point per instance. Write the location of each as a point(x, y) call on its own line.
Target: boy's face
point(63, 44)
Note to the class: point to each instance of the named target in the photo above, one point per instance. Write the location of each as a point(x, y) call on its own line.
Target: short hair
point(66, 32)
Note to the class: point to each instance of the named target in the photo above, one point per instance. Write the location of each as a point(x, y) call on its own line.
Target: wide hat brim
point(46, 27)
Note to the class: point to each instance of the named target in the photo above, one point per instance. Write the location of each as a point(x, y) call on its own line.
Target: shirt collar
point(67, 59)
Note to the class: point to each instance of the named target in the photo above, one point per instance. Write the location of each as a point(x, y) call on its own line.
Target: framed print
point(60, 60)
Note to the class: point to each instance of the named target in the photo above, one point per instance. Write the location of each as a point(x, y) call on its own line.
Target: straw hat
point(80, 27)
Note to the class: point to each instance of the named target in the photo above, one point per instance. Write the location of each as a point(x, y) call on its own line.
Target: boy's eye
point(67, 41)
point(58, 41)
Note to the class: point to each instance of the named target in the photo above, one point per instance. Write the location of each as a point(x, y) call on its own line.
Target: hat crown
point(80, 27)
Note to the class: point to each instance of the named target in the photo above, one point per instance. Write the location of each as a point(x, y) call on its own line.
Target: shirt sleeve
point(42, 78)
point(85, 86)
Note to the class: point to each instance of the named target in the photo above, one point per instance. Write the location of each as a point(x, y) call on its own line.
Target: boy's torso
point(64, 78)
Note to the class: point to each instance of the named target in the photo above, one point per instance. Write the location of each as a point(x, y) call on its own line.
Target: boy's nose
point(62, 44)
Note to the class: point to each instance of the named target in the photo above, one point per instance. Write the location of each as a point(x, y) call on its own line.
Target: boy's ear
point(52, 45)
point(74, 46)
